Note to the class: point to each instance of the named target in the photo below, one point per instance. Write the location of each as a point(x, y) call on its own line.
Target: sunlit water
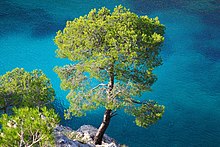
point(188, 81)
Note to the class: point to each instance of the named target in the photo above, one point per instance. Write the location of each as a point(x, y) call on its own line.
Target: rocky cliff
point(83, 137)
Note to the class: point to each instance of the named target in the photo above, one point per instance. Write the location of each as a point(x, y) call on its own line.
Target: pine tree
point(119, 52)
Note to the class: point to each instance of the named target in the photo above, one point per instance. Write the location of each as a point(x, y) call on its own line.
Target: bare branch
point(113, 113)
point(102, 84)
point(21, 136)
point(37, 140)
point(148, 103)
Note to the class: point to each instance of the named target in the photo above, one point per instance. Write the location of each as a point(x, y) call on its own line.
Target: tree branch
point(36, 141)
point(102, 84)
point(143, 102)
point(113, 113)
point(21, 135)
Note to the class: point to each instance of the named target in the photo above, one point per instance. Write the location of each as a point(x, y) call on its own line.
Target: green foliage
point(146, 114)
point(118, 51)
point(20, 88)
point(28, 127)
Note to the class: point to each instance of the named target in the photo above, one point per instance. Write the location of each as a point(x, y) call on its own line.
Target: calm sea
point(188, 81)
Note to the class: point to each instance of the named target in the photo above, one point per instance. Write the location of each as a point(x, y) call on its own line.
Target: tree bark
point(107, 115)
point(103, 127)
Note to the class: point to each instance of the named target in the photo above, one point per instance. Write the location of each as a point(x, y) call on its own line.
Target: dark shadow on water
point(210, 53)
point(206, 42)
point(10, 17)
point(191, 6)
point(44, 24)
point(148, 6)
point(46, 28)
point(212, 18)
point(16, 19)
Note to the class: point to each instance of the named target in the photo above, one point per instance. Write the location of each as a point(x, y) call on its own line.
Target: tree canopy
point(21, 88)
point(28, 127)
point(118, 51)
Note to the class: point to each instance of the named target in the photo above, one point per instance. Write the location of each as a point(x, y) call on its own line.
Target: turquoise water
point(188, 81)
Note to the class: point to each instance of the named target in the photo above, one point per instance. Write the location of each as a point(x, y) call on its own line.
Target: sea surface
point(188, 81)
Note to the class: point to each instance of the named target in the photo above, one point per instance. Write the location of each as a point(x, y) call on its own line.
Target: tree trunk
point(107, 115)
point(103, 127)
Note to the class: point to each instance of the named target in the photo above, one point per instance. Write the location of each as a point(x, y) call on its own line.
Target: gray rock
point(85, 134)
point(62, 140)
point(91, 131)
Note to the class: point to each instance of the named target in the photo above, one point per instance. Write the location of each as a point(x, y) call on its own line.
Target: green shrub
point(28, 127)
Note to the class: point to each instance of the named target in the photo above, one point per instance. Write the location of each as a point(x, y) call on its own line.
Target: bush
point(28, 127)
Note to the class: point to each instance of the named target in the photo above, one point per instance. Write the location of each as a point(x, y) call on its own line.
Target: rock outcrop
point(83, 137)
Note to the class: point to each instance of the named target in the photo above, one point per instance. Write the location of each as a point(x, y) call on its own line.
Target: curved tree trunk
point(108, 112)
point(103, 127)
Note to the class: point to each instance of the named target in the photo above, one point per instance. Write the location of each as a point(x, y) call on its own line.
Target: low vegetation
point(19, 88)
point(28, 127)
